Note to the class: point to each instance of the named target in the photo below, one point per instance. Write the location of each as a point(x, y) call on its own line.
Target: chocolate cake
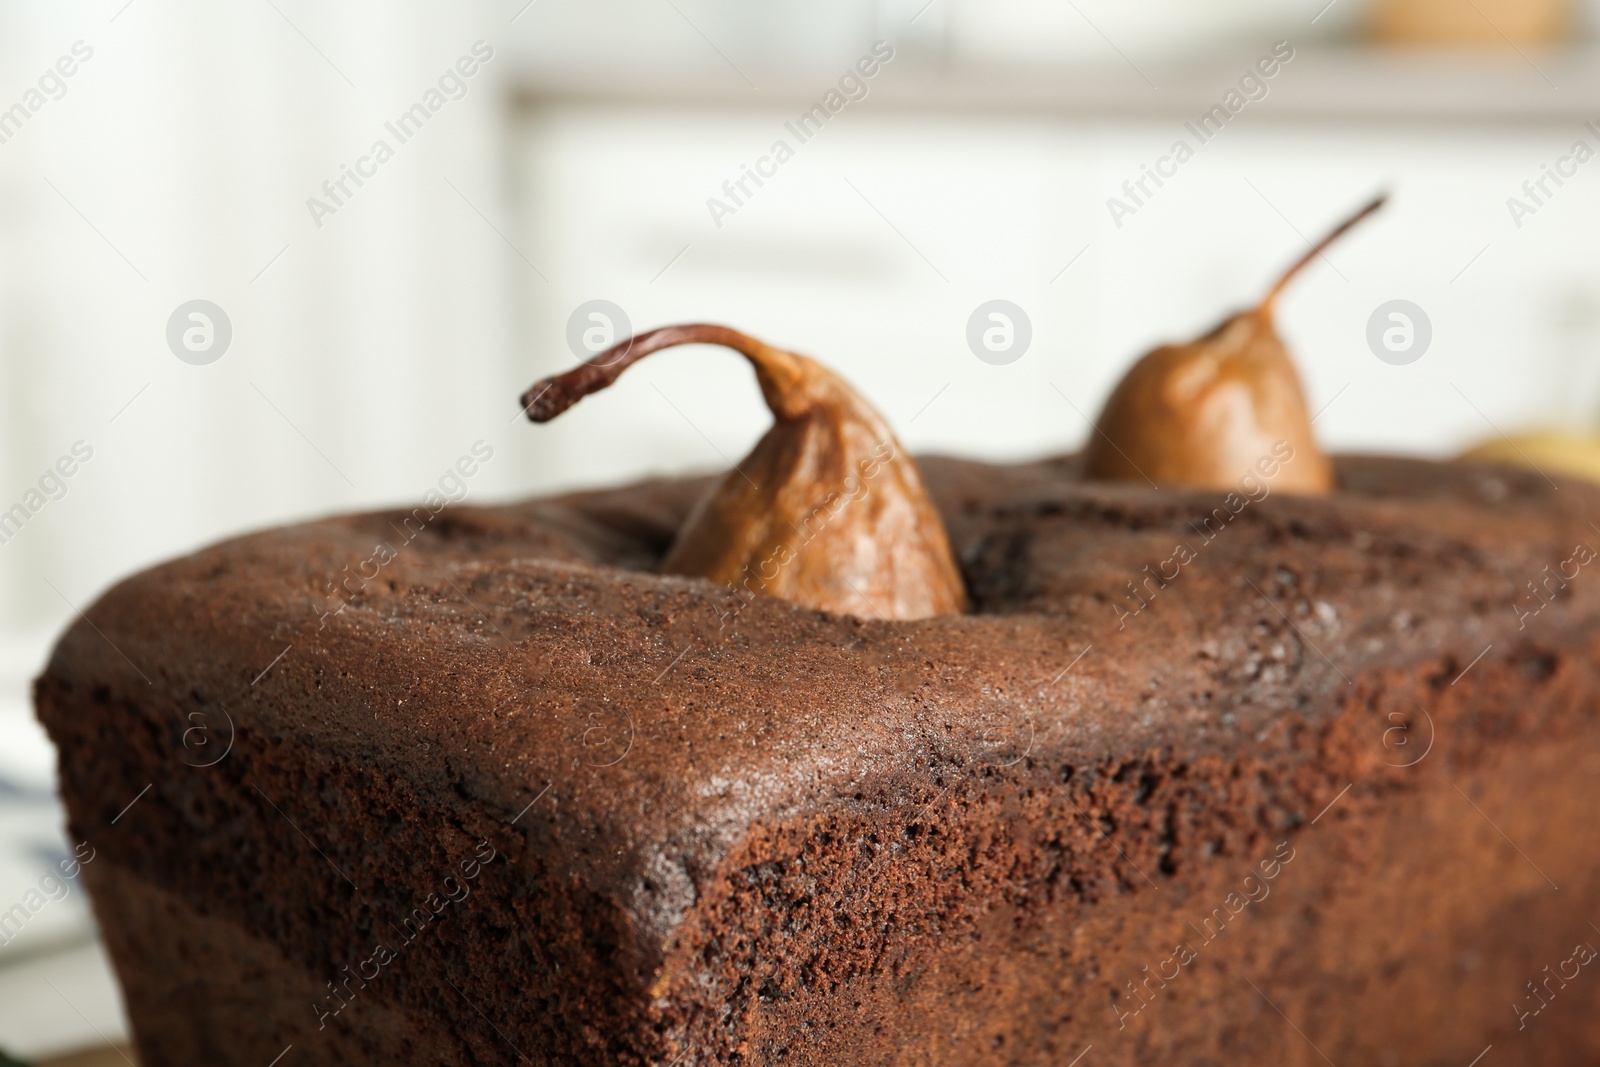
point(1201, 777)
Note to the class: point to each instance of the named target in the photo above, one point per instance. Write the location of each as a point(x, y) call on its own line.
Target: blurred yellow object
point(1471, 22)
point(1551, 451)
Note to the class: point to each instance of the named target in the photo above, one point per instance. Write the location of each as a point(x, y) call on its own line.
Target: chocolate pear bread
point(1202, 776)
point(1199, 748)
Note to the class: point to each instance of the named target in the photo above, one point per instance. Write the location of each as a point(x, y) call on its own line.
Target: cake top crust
point(633, 726)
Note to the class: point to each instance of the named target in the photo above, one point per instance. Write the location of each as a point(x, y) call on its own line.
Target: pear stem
point(1317, 250)
point(549, 397)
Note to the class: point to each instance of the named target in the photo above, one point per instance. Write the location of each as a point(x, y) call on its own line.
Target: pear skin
point(828, 511)
point(1203, 414)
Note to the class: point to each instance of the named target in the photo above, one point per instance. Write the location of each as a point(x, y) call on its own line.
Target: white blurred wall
point(176, 167)
point(999, 207)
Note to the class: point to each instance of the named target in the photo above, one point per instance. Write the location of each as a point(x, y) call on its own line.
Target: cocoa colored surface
point(773, 836)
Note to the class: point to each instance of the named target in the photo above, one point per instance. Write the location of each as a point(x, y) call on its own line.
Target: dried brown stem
point(777, 370)
point(1318, 248)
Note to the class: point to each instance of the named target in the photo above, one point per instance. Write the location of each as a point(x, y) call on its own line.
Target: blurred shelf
point(1327, 84)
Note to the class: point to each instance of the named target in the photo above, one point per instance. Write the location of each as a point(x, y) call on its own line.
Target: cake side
point(1018, 905)
point(648, 760)
point(1160, 908)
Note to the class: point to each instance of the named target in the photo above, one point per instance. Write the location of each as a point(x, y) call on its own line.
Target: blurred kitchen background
point(376, 337)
